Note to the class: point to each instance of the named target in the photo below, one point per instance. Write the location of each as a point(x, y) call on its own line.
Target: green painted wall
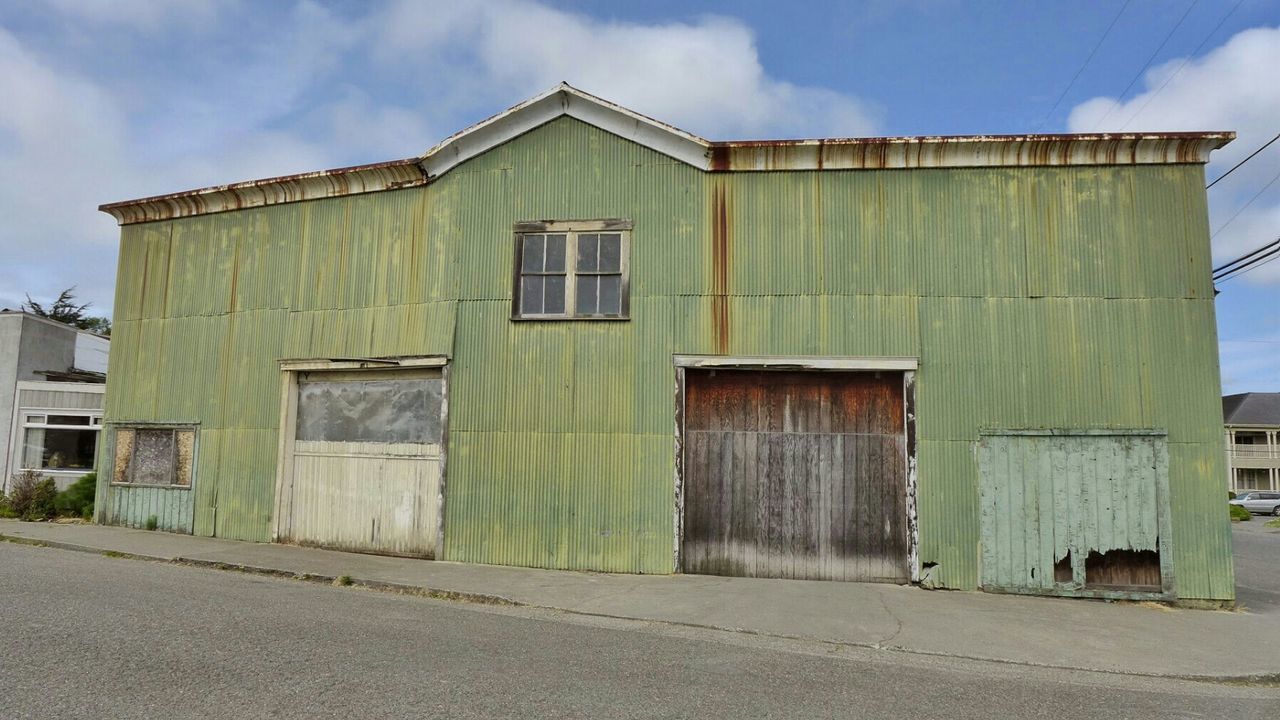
point(1034, 297)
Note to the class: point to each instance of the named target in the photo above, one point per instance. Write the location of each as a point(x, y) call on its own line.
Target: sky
point(103, 101)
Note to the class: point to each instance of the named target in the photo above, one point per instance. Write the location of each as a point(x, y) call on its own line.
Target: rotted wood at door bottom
point(795, 475)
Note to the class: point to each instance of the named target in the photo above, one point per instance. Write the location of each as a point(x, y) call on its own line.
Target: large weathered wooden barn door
point(365, 462)
point(795, 475)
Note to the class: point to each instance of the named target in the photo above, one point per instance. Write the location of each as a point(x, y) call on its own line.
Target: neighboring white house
point(1252, 423)
point(52, 381)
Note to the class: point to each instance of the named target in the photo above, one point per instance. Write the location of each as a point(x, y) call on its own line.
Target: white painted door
point(364, 463)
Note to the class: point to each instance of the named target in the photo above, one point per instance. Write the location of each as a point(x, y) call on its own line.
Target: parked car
point(1262, 503)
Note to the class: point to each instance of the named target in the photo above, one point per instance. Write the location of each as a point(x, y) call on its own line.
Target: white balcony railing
point(1260, 451)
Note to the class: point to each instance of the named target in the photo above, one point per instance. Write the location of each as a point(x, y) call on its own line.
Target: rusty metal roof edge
point(1224, 135)
point(337, 182)
point(967, 151)
point(734, 156)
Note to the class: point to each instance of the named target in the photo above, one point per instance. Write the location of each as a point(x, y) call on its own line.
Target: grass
point(1273, 523)
point(1239, 514)
point(343, 580)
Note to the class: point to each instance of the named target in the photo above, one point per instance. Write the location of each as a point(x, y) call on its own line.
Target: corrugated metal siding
point(59, 399)
point(210, 304)
point(134, 506)
point(1034, 297)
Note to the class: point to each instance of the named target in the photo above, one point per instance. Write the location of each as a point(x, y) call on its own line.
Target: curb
point(339, 580)
point(1253, 680)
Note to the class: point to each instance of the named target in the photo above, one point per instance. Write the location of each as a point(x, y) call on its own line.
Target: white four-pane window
point(575, 269)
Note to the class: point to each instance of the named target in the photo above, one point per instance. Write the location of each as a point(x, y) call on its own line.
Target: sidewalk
point(1111, 637)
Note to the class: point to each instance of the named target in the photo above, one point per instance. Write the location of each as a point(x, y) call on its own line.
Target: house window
point(154, 456)
point(572, 270)
point(59, 440)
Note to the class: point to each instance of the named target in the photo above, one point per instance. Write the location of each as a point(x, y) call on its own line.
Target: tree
point(65, 310)
point(100, 325)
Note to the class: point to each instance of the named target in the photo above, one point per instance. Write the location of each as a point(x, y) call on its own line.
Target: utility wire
point(1242, 207)
point(1261, 260)
point(1223, 269)
point(1085, 65)
point(1233, 169)
point(1185, 60)
point(1150, 60)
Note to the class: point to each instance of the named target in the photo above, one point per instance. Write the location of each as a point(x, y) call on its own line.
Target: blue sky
point(114, 100)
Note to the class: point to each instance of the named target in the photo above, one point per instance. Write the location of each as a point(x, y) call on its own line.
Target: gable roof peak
point(561, 100)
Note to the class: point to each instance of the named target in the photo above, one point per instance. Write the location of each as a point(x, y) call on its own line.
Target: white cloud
point(144, 15)
point(705, 76)
point(106, 101)
point(1233, 87)
point(68, 143)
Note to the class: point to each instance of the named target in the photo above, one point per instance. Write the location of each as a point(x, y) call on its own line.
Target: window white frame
point(572, 229)
point(37, 418)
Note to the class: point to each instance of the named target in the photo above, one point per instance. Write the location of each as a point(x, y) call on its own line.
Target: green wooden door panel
point(1075, 512)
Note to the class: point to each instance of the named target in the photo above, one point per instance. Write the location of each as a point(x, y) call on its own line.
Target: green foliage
point(1231, 495)
point(65, 310)
point(1272, 524)
point(1239, 514)
point(96, 324)
point(343, 580)
point(153, 522)
point(73, 501)
point(6, 512)
point(31, 496)
point(86, 513)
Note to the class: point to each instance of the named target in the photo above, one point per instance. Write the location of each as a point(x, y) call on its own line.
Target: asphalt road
point(90, 636)
point(1256, 549)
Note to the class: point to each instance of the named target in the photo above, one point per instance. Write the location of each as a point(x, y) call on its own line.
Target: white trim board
point(797, 362)
point(430, 361)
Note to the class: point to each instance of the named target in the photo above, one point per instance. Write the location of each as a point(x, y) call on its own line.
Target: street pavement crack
point(897, 621)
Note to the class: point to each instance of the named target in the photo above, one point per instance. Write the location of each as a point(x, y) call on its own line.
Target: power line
point(1242, 207)
point(1262, 260)
point(1249, 261)
point(1085, 65)
point(1185, 60)
point(1222, 269)
point(1150, 60)
point(1233, 169)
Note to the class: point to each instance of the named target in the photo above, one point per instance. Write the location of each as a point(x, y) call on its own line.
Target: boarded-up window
point(154, 456)
point(380, 411)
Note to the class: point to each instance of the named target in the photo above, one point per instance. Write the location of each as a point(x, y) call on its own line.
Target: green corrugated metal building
point(574, 337)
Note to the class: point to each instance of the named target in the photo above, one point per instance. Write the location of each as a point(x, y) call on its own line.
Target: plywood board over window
point(158, 457)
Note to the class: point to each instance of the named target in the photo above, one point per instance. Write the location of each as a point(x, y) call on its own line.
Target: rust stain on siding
point(719, 158)
point(720, 244)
